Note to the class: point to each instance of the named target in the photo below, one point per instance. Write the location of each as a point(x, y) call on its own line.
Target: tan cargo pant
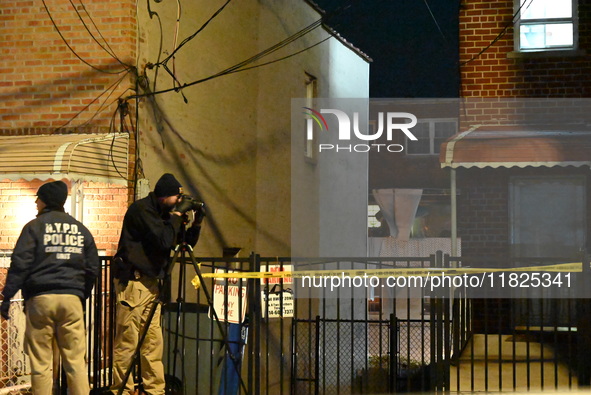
point(58, 316)
point(134, 302)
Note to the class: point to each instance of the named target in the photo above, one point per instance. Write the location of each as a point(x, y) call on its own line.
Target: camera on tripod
point(195, 204)
point(189, 203)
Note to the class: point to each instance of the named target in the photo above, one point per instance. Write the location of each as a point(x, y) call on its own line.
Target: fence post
point(317, 358)
point(393, 373)
point(294, 357)
point(254, 323)
point(437, 372)
point(94, 333)
point(584, 328)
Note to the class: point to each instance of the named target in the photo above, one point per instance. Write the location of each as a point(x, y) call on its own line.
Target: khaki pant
point(134, 302)
point(59, 317)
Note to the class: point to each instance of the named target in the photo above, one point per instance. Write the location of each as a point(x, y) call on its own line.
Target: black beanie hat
point(167, 185)
point(53, 194)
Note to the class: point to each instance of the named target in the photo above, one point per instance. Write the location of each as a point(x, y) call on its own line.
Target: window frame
point(519, 22)
point(432, 122)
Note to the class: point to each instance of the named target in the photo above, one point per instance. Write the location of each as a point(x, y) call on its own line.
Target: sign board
point(276, 299)
point(229, 298)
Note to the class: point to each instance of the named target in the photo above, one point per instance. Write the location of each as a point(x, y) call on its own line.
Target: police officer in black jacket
point(151, 228)
point(55, 263)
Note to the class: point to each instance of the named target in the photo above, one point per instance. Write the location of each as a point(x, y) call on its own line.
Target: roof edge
point(337, 35)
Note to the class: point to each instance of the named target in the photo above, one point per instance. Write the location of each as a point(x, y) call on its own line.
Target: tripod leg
point(136, 354)
point(180, 301)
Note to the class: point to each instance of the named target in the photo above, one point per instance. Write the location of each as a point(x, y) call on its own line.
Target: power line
point(123, 110)
point(192, 36)
point(237, 67)
point(110, 50)
point(501, 34)
point(152, 14)
point(435, 20)
point(71, 49)
point(110, 89)
point(283, 58)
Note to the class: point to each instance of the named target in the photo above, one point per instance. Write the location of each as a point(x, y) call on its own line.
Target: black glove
point(185, 205)
point(4, 308)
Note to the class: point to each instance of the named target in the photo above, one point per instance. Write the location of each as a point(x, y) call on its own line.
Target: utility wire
point(152, 14)
point(71, 49)
point(110, 89)
point(436, 23)
point(176, 36)
point(108, 48)
point(123, 110)
point(164, 63)
point(234, 68)
point(192, 36)
point(106, 104)
point(254, 58)
point(501, 34)
point(283, 58)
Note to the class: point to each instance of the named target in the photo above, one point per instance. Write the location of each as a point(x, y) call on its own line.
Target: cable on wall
point(72, 49)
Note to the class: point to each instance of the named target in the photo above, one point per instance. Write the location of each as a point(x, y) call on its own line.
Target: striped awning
point(517, 146)
point(88, 157)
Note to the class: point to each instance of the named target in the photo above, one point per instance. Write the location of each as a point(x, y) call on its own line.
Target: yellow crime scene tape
point(385, 273)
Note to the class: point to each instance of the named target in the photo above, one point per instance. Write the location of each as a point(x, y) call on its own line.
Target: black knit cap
point(53, 194)
point(167, 185)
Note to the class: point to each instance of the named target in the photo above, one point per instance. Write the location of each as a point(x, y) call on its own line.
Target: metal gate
point(351, 341)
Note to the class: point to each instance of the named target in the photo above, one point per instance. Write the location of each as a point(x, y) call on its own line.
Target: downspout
point(454, 214)
point(454, 230)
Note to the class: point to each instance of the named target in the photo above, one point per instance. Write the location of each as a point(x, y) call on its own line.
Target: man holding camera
point(151, 228)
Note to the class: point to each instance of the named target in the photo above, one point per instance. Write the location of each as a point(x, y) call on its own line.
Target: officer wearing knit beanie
point(55, 264)
point(167, 185)
point(152, 226)
point(53, 194)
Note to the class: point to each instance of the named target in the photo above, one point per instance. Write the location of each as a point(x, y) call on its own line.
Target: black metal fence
point(248, 335)
point(100, 321)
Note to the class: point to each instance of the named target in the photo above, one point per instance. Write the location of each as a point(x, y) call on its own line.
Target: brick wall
point(483, 209)
point(495, 74)
point(17, 207)
point(47, 88)
point(42, 82)
point(483, 214)
point(104, 208)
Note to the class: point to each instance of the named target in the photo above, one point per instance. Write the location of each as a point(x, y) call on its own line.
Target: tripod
point(182, 251)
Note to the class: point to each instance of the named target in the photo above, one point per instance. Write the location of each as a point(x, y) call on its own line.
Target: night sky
point(413, 44)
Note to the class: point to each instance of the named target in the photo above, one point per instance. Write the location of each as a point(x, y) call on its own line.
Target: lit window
point(546, 25)
point(430, 134)
point(372, 221)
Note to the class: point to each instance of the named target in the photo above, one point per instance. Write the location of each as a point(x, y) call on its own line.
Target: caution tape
point(399, 272)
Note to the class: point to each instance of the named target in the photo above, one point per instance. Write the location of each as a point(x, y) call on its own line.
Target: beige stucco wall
point(230, 144)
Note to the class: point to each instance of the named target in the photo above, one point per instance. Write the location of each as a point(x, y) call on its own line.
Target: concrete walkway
point(500, 363)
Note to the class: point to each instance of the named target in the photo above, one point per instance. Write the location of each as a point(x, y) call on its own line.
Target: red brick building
point(522, 122)
point(62, 70)
point(525, 190)
point(495, 65)
point(492, 66)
